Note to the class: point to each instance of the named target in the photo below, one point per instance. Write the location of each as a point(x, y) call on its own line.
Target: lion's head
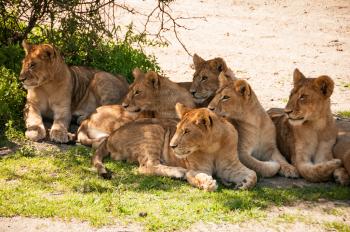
point(232, 98)
point(193, 132)
point(309, 98)
point(38, 64)
point(205, 79)
point(143, 92)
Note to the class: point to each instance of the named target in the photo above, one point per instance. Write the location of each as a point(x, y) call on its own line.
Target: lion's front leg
point(59, 129)
point(201, 180)
point(34, 123)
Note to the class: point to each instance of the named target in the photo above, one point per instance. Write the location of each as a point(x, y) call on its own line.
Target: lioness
point(306, 133)
point(202, 145)
point(58, 91)
point(205, 79)
point(257, 149)
point(103, 122)
point(152, 92)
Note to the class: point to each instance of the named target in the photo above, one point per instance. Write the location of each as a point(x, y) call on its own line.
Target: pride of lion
point(208, 130)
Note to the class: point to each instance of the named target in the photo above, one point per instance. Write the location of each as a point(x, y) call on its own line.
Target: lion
point(103, 122)
point(155, 93)
point(341, 149)
point(306, 131)
point(203, 144)
point(205, 79)
point(257, 148)
point(57, 91)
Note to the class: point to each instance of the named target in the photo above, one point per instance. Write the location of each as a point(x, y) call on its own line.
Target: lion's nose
point(125, 105)
point(173, 146)
point(212, 108)
point(288, 111)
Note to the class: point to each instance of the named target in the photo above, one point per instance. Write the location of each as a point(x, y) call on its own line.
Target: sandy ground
point(262, 41)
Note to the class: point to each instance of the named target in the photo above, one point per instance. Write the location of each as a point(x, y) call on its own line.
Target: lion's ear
point(242, 87)
point(181, 109)
point(137, 73)
point(219, 64)
point(205, 120)
point(48, 52)
point(153, 79)
point(325, 84)
point(225, 78)
point(297, 76)
point(26, 46)
point(197, 61)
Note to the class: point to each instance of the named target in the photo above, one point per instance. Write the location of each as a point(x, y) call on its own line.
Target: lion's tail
point(84, 138)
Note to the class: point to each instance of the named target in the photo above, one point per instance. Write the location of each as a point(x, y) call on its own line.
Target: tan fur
point(57, 91)
point(205, 79)
point(306, 133)
point(146, 142)
point(341, 149)
point(152, 92)
point(257, 147)
point(208, 144)
point(103, 122)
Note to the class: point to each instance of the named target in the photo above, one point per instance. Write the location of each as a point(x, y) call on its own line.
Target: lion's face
point(232, 98)
point(192, 132)
point(37, 65)
point(308, 98)
point(143, 92)
point(205, 79)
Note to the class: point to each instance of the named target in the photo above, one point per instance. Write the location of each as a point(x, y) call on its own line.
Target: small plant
point(344, 114)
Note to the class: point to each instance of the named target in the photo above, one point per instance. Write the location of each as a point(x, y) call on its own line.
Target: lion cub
point(202, 145)
point(157, 94)
point(205, 78)
point(103, 122)
point(257, 147)
point(306, 132)
point(208, 144)
point(57, 91)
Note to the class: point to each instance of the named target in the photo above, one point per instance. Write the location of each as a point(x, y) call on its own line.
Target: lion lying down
point(203, 144)
point(257, 148)
point(57, 91)
point(306, 131)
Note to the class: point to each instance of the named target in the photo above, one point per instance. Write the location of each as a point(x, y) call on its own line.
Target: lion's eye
point(186, 131)
point(137, 92)
point(204, 78)
point(32, 65)
point(303, 97)
point(225, 97)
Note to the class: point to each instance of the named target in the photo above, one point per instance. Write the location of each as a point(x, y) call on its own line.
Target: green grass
point(345, 114)
point(50, 183)
point(337, 226)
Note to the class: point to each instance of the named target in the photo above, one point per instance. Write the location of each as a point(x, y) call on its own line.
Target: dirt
point(262, 41)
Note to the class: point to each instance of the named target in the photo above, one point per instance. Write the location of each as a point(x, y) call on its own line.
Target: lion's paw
point(36, 134)
point(59, 135)
point(247, 183)
point(289, 171)
point(206, 182)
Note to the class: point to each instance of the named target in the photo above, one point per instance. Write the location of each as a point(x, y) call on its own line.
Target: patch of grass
point(338, 226)
point(52, 183)
point(344, 114)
